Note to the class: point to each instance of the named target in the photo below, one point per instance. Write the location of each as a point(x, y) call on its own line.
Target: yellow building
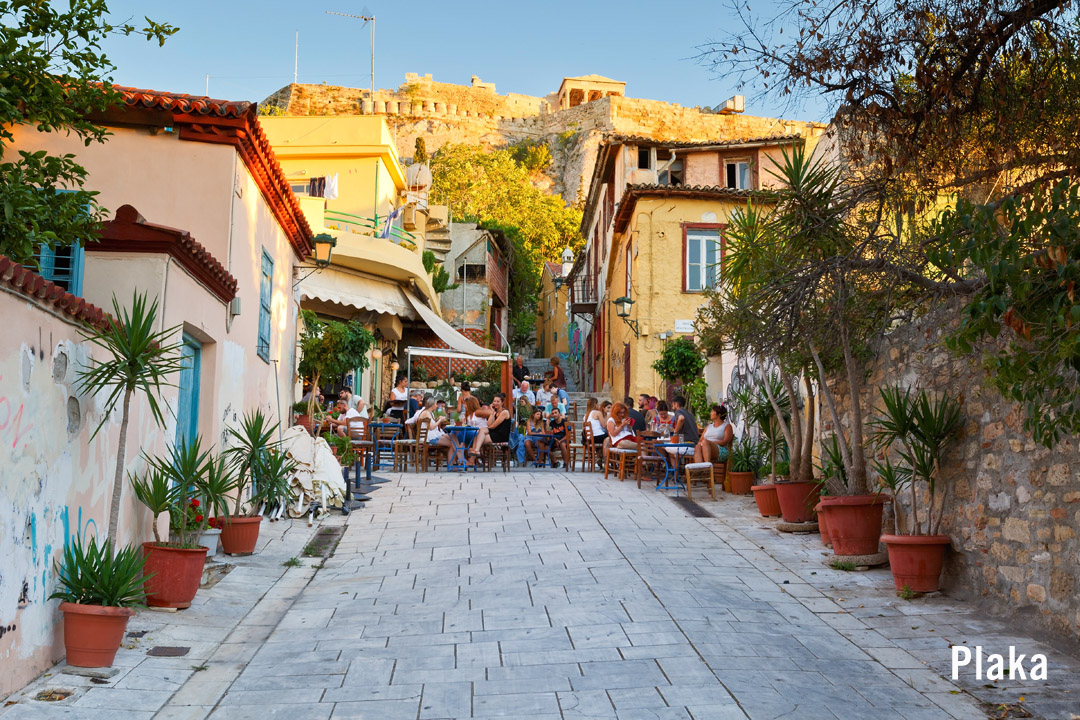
point(552, 320)
point(654, 225)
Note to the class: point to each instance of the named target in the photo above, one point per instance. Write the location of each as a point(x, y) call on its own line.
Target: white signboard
point(684, 326)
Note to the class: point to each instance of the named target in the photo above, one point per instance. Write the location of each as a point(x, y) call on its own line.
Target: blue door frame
point(187, 410)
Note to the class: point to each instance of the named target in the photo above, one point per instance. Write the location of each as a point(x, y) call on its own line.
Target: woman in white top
point(399, 396)
point(620, 428)
point(595, 418)
point(716, 439)
point(435, 434)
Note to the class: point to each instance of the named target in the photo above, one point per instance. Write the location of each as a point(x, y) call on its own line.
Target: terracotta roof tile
point(677, 144)
point(33, 286)
point(633, 192)
point(179, 102)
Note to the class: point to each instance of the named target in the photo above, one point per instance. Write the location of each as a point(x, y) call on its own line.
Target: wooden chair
point(495, 452)
point(616, 460)
point(649, 460)
point(589, 455)
point(426, 453)
point(699, 472)
point(571, 412)
point(360, 439)
point(382, 438)
point(404, 447)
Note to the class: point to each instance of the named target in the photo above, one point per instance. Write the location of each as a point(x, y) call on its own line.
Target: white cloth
point(714, 433)
point(330, 192)
point(318, 473)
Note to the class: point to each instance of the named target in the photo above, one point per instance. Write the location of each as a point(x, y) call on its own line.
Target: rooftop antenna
point(368, 18)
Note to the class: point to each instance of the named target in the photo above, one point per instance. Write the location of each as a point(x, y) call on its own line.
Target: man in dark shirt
point(558, 428)
point(636, 415)
point(520, 371)
point(685, 424)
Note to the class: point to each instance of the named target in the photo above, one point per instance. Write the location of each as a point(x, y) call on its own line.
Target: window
point(702, 254)
point(673, 175)
point(629, 259)
point(738, 174)
point(644, 158)
point(265, 293)
point(63, 266)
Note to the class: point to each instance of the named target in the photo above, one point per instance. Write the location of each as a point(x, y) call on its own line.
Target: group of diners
point(620, 425)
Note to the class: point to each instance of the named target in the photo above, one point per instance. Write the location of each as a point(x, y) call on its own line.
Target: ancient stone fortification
point(444, 113)
point(1013, 507)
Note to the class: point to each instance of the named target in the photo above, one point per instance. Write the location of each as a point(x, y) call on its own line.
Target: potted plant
point(273, 483)
point(744, 460)
point(240, 530)
point(187, 484)
point(99, 590)
point(303, 419)
point(921, 429)
point(679, 361)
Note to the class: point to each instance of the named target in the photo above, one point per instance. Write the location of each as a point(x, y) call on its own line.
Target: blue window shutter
point(265, 293)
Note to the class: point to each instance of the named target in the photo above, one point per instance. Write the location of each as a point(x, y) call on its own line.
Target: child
point(557, 424)
point(535, 427)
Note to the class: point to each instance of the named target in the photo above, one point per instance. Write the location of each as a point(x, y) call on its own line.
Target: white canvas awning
point(357, 291)
point(460, 346)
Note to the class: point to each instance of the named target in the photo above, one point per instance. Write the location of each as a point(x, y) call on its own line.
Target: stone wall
point(1013, 507)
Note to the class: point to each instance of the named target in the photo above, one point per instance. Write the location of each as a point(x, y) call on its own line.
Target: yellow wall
point(656, 231)
point(551, 318)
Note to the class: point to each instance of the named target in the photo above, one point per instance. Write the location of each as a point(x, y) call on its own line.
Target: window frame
point(46, 257)
point(749, 162)
point(687, 228)
point(266, 295)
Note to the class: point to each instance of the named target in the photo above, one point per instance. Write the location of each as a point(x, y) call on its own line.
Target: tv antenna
point(368, 18)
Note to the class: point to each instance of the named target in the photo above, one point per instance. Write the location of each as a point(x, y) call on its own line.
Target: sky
point(247, 48)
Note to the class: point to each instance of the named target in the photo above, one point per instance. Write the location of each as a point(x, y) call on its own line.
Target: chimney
point(734, 104)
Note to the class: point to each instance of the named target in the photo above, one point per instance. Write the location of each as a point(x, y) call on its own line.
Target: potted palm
point(99, 590)
point(833, 476)
point(250, 442)
point(744, 461)
point(273, 483)
point(920, 429)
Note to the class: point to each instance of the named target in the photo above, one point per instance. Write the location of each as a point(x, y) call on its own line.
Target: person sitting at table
point(561, 440)
point(716, 439)
point(398, 399)
point(340, 424)
point(523, 391)
point(520, 372)
point(310, 391)
point(535, 428)
point(620, 428)
point(664, 420)
point(435, 434)
point(595, 417)
point(466, 393)
point(440, 408)
point(636, 415)
point(543, 396)
point(423, 404)
point(355, 401)
point(558, 381)
point(498, 425)
point(685, 424)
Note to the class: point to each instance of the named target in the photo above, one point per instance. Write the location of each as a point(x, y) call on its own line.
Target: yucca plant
point(746, 455)
point(273, 473)
point(139, 360)
point(248, 444)
point(95, 574)
point(157, 492)
point(834, 478)
point(185, 467)
point(220, 481)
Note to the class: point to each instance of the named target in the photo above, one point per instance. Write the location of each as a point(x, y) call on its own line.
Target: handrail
point(397, 234)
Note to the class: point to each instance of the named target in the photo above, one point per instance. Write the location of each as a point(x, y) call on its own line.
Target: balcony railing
point(583, 294)
point(370, 226)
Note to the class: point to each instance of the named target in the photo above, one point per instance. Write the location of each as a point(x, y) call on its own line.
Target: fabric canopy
point(357, 291)
point(460, 346)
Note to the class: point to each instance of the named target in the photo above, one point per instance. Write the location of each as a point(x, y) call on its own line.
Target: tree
point(330, 349)
point(140, 361)
point(54, 77)
point(679, 360)
point(420, 153)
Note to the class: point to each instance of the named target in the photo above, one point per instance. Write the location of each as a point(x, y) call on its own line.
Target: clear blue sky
point(247, 47)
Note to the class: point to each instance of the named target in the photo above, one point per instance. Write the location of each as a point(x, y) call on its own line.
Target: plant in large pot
point(920, 429)
point(680, 360)
point(249, 443)
point(188, 484)
point(99, 590)
point(744, 461)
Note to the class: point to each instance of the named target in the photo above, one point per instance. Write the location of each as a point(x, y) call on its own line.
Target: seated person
point(534, 429)
point(685, 424)
point(440, 409)
point(435, 434)
point(620, 428)
point(664, 421)
point(465, 394)
point(340, 424)
point(715, 440)
point(423, 404)
point(497, 425)
point(561, 442)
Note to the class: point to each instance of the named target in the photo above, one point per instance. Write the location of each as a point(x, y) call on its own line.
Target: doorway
point(187, 407)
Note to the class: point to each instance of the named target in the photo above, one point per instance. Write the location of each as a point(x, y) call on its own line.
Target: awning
point(460, 346)
point(357, 291)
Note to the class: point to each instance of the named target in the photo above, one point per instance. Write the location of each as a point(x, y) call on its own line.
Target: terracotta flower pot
point(916, 560)
point(304, 421)
point(854, 522)
point(93, 633)
point(741, 482)
point(240, 534)
point(823, 526)
point(797, 500)
point(176, 574)
point(765, 497)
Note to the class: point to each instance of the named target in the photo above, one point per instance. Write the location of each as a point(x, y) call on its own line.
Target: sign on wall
point(684, 326)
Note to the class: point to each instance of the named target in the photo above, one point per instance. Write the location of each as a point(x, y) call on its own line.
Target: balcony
point(583, 295)
point(347, 222)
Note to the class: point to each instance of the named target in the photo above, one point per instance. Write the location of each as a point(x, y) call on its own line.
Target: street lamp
point(558, 283)
point(622, 309)
point(324, 247)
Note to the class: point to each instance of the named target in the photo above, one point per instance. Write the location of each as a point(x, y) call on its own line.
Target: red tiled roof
point(634, 192)
point(129, 232)
point(203, 119)
point(554, 268)
point(28, 283)
point(674, 144)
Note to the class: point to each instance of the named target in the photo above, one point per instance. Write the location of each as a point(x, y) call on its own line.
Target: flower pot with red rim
point(173, 574)
point(854, 522)
point(797, 500)
point(765, 497)
point(304, 421)
point(916, 560)
point(823, 526)
point(93, 633)
point(240, 534)
point(741, 482)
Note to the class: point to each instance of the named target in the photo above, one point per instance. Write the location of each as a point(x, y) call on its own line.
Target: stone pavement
point(552, 595)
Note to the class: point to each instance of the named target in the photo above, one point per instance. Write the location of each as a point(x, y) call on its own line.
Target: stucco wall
point(56, 482)
point(1013, 507)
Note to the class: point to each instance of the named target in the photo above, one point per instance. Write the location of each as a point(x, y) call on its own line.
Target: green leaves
point(330, 348)
point(93, 574)
point(679, 360)
point(248, 444)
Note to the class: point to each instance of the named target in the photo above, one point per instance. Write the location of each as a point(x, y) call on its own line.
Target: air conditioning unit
point(408, 218)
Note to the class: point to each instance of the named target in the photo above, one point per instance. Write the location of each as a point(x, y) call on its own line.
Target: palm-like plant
point(184, 467)
point(139, 360)
point(249, 443)
point(273, 473)
point(156, 492)
point(93, 574)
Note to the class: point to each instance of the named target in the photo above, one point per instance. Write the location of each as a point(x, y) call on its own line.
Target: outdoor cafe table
point(461, 436)
point(674, 453)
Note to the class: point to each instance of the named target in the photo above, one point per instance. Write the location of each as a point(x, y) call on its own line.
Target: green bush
point(679, 360)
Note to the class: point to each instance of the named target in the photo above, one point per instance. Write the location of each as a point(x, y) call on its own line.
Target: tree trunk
point(806, 469)
point(857, 471)
point(795, 445)
point(830, 401)
point(118, 479)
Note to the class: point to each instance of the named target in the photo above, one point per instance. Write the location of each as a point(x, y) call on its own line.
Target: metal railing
point(583, 292)
point(369, 226)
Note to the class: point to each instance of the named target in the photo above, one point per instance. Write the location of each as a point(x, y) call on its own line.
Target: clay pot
point(767, 502)
point(304, 421)
point(797, 500)
point(854, 522)
point(240, 534)
point(176, 574)
point(741, 482)
point(93, 633)
point(823, 526)
point(916, 560)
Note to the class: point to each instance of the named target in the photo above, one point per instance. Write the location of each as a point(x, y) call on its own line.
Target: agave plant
point(94, 574)
point(249, 443)
point(139, 360)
